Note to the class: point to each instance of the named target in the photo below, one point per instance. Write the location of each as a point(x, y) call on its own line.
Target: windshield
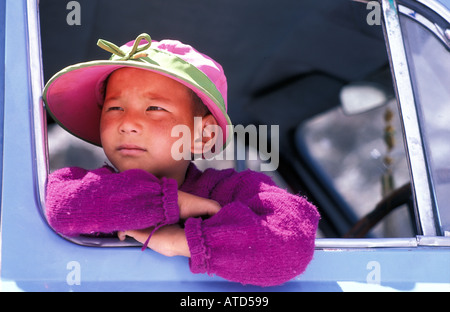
point(429, 64)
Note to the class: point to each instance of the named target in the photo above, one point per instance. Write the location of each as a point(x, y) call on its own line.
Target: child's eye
point(155, 108)
point(114, 108)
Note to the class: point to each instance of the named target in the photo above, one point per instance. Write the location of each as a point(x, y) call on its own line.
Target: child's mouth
point(131, 149)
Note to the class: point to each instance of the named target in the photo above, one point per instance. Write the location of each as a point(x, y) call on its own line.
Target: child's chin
point(131, 167)
point(139, 168)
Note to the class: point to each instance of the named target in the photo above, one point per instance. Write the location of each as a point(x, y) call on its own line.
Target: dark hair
point(199, 108)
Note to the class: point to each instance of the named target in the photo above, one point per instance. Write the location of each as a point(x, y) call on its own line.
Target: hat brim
point(73, 97)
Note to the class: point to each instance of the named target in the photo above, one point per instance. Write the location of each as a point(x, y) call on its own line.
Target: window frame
point(416, 157)
point(2, 83)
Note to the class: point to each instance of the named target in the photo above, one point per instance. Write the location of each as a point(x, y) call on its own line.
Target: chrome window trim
point(356, 243)
point(420, 179)
point(39, 117)
point(436, 7)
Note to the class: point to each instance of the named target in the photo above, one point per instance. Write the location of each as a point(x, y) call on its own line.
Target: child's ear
point(205, 135)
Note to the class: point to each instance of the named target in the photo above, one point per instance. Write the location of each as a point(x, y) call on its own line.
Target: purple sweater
point(263, 235)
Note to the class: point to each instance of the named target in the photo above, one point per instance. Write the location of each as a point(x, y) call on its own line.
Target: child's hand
point(195, 206)
point(169, 240)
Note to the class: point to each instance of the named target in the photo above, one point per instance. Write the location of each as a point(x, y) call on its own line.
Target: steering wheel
point(395, 199)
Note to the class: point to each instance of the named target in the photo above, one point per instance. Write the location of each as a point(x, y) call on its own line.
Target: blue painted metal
point(35, 258)
point(2, 75)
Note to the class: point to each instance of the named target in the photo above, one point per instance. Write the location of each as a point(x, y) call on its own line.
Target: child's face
point(140, 110)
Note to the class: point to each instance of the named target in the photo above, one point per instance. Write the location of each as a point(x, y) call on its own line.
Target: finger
point(122, 235)
point(214, 208)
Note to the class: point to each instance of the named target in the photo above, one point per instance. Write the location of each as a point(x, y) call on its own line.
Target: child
point(240, 226)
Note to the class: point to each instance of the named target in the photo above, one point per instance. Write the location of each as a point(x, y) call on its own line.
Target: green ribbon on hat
point(135, 52)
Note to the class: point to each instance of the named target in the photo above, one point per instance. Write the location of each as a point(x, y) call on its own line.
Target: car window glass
point(429, 63)
point(349, 153)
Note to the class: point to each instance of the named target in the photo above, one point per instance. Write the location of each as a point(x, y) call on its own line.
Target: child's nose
point(130, 124)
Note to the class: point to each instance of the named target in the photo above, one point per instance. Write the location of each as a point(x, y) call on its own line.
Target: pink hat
point(74, 95)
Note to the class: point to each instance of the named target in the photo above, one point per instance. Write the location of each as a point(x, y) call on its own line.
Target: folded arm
point(79, 201)
point(262, 235)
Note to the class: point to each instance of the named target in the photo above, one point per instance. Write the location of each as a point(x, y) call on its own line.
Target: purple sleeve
point(263, 235)
point(79, 201)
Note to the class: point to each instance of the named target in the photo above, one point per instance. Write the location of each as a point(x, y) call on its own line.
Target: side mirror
point(360, 97)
